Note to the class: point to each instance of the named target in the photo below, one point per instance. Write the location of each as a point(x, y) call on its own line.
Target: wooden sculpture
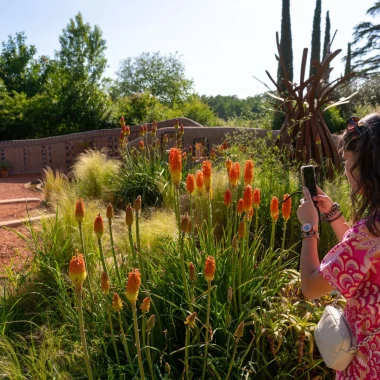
point(303, 105)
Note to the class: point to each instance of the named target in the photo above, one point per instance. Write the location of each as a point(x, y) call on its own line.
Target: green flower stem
point(272, 234)
point(133, 252)
point(124, 340)
point(143, 330)
point(228, 314)
point(240, 267)
point(207, 329)
point(232, 359)
point(83, 336)
point(283, 241)
point(183, 271)
point(187, 342)
point(85, 263)
point(102, 257)
point(139, 257)
point(114, 253)
point(137, 340)
point(148, 356)
point(113, 334)
point(257, 221)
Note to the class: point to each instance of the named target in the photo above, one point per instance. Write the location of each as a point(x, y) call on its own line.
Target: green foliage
point(162, 75)
point(327, 40)
point(367, 60)
point(334, 120)
point(347, 68)
point(316, 36)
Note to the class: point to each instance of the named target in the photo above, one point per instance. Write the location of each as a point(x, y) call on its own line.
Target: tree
point(367, 57)
point(82, 51)
point(162, 75)
point(326, 42)
point(16, 60)
point(316, 37)
point(347, 69)
point(286, 44)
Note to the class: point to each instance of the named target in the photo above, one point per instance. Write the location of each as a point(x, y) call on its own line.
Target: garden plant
point(166, 264)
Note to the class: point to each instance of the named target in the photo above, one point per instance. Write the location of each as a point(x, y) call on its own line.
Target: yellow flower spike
point(105, 283)
point(209, 270)
point(77, 271)
point(117, 304)
point(190, 320)
point(145, 306)
point(79, 210)
point(133, 285)
point(240, 330)
point(98, 227)
point(129, 215)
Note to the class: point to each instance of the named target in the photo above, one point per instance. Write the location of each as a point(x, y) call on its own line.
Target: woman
point(353, 266)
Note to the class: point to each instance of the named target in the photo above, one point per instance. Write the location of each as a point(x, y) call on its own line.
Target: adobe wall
point(32, 156)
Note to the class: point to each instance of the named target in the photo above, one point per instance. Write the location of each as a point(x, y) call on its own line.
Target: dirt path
point(13, 250)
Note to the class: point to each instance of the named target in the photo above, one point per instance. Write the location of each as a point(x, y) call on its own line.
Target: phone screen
point(308, 179)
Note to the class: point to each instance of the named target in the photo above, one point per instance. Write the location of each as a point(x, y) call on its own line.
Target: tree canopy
point(162, 75)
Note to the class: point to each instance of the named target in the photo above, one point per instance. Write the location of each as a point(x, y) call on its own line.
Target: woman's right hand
point(322, 201)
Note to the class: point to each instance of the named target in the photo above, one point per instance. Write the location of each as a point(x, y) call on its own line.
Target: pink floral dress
point(353, 268)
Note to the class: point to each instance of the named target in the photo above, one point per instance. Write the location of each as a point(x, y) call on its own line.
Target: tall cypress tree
point(326, 42)
point(286, 43)
point(287, 53)
point(316, 36)
point(347, 69)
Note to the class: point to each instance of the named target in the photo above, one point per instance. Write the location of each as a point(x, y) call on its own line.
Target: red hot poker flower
point(133, 285)
point(248, 172)
point(248, 198)
point(98, 227)
point(274, 209)
point(190, 183)
point(206, 170)
point(210, 268)
point(286, 207)
point(256, 197)
point(175, 165)
point(228, 198)
point(240, 207)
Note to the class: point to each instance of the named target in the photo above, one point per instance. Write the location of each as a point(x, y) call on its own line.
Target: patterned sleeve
point(345, 266)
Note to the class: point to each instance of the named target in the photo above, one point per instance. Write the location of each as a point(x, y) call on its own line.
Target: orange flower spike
point(228, 165)
point(256, 197)
point(210, 268)
point(133, 285)
point(109, 213)
point(191, 272)
point(77, 270)
point(199, 181)
point(141, 145)
point(274, 208)
point(129, 215)
point(190, 183)
point(122, 122)
point(98, 227)
point(142, 130)
point(248, 172)
point(79, 210)
point(154, 128)
point(117, 304)
point(121, 138)
point(206, 170)
point(228, 198)
point(126, 130)
point(212, 154)
point(137, 204)
point(145, 306)
point(175, 166)
point(247, 198)
point(286, 208)
point(105, 283)
point(241, 230)
point(235, 174)
point(240, 207)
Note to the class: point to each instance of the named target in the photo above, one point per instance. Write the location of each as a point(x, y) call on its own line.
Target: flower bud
point(79, 210)
point(241, 231)
point(137, 204)
point(105, 283)
point(229, 294)
point(151, 322)
point(185, 223)
point(98, 227)
point(109, 212)
point(117, 304)
point(129, 215)
point(145, 306)
point(240, 330)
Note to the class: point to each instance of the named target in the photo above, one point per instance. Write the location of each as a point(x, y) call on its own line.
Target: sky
point(223, 43)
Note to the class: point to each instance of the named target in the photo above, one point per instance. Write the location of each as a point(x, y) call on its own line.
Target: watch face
point(307, 227)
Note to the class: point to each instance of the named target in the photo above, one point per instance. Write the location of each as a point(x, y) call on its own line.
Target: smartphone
point(308, 179)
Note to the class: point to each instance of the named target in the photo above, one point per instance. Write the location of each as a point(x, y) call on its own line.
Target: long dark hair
point(366, 150)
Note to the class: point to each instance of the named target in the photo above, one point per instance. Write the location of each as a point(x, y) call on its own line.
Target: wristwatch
point(308, 230)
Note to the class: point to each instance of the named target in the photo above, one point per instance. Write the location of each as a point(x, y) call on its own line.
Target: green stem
point(184, 280)
point(283, 241)
point(102, 257)
point(124, 340)
point(234, 278)
point(149, 358)
point(113, 252)
point(131, 245)
point(240, 265)
point(113, 335)
point(272, 234)
point(139, 257)
point(83, 336)
point(187, 338)
point(207, 329)
point(85, 263)
point(232, 359)
point(143, 330)
point(137, 340)
point(257, 221)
